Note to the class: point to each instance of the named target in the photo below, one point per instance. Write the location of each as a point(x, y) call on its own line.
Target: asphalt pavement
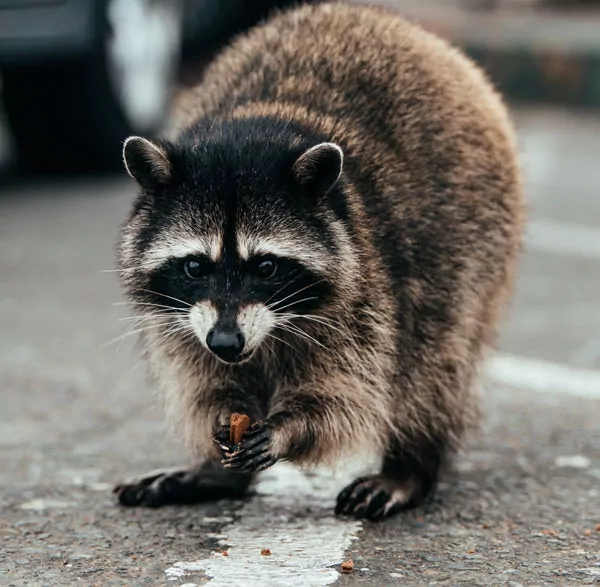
point(522, 507)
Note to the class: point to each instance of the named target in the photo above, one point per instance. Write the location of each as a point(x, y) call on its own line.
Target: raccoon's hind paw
point(253, 452)
point(375, 498)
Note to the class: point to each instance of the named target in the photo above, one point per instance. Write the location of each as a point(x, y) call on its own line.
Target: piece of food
point(266, 552)
point(348, 566)
point(238, 425)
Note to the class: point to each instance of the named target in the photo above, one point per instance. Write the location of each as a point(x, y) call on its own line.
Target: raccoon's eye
point(266, 269)
point(195, 268)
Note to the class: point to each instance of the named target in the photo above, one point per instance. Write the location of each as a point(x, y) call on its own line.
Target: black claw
point(377, 501)
point(389, 509)
point(345, 495)
point(357, 497)
point(359, 511)
point(258, 464)
point(222, 437)
point(221, 440)
point(368, 498)
point(139, 482)
point(263, 436)
point(246, 446)
point(251, 454)
point(247, 462)
point(134, 493)
point(245, 452)
point(128, 496)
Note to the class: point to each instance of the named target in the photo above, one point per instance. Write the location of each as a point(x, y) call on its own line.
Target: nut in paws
point(253, 452)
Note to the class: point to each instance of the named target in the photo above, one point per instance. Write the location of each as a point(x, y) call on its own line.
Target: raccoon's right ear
point(319, 167)
point(147, 162)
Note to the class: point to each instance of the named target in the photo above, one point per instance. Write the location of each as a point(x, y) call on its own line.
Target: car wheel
point(74, 114)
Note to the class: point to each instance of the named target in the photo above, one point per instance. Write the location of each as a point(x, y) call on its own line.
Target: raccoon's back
point(365, 67)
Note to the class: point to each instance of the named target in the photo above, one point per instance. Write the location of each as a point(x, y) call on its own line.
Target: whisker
point(170, 332)
point(325, 318)
point(293, 294)
point(139, 364)
point(156, 293)
point(280, 339)
point(126, 269)
point(296, 303)
point(294, 332)
point(282, 288)
point(270, 351)
point(294, 329)
point(312, 318)
point(137, 320)
point(131, 333)
point(150, 316)
point(148, 304)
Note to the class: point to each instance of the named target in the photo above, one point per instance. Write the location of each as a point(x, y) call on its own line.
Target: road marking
point(563, 238)
point(544, 376)
point(572, 462)
point(41, 504)
point(292, 515)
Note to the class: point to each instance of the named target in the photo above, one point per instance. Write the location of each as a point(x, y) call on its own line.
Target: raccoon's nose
point(226, 344)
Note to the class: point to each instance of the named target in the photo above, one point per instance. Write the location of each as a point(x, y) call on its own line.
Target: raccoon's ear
point(318, 168)
point(147, 162)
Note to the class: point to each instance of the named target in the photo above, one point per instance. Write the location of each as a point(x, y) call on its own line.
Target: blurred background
point(80, 75)
point(77, 77)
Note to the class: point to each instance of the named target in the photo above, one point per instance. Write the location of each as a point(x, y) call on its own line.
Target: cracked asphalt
point(522, 507)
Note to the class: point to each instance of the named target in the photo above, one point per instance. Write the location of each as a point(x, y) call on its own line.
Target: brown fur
point(435, 199)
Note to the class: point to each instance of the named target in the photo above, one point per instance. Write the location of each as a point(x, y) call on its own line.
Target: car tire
point(74, 114)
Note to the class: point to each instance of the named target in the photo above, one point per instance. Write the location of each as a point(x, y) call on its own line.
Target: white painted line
point(292, 516)
point(544, 376)
point(41, 504)
point(572, 462)
point(563, 239)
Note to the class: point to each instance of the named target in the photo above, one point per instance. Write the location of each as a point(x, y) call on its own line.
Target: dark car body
point(37, 30)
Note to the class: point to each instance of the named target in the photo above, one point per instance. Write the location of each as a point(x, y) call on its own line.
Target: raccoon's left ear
point(318, 168)
point(147, 162)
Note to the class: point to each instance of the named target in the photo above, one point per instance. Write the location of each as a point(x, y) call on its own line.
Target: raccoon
point(326, 244)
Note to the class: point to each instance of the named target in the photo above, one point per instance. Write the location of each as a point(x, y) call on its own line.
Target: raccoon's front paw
point(253, 453)
point(163, 487)
point(222, 437)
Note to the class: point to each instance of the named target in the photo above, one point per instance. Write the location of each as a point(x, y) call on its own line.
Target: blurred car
point(78, 76)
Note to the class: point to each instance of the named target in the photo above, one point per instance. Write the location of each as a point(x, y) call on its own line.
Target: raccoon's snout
point(227, 344)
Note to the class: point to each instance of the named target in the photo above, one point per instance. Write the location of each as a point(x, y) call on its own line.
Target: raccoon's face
point(238, 239)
